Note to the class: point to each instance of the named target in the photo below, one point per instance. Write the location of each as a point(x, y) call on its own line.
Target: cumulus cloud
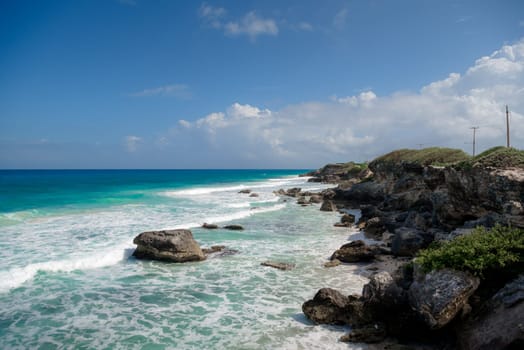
point(252, 26)
point(132, 143)
point(211, 15)
point(365, 125)
point(180, 91)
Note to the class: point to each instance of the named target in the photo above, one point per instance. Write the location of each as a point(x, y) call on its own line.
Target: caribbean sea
point(68, 280)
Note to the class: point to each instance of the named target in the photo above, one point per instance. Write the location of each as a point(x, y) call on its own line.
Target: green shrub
point(496, 157)
point(483, 252)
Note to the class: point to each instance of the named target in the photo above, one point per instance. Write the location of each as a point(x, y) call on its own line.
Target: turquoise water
point(67, 280)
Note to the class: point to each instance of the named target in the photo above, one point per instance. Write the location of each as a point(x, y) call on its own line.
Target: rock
point(209, 226)
point(339, 224)
point(382, 291)
point(302, 200)
point(408, 241)
point(374, 228)
point(316, 198)
point(327, 307)
point(355, 251)
point(328, 205)
point(348, 219)
point(332, 263)
point(501, 323)
point(168, 245)
point(234, 227)
point(278, 265)
point(214, 249)
point(370, 333)
point(253, 195)
point(293, 192)
point(246, 191)
point(440, 295)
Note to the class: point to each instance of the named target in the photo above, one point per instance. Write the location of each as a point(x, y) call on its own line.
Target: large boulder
point(407, 241)
point(501, 324)
point(356, 251)
point(439, 296)
point(382, 292)
point(327, 307)
point(168, 245)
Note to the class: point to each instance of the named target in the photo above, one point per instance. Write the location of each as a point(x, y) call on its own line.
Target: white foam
point(238, 205)
point(17, 276)
point(202, 190)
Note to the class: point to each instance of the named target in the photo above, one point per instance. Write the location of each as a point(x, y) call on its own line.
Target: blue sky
point(253, 84)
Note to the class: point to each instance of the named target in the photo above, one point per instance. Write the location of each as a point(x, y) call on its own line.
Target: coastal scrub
point(483, 252)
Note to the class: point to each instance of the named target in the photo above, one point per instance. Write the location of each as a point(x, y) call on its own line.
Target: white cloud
point(340, 19)
point(252, 26)
point(132, 143)
point(184, 123)
point(365, 125)
point(305, 26)
point(180, 91)
point(212, 15)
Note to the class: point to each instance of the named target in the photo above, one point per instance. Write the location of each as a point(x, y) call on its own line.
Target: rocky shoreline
point(407, 206)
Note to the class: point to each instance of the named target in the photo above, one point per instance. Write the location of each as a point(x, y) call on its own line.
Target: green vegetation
point(426, 156)
point(483, 252)
point(498, 157)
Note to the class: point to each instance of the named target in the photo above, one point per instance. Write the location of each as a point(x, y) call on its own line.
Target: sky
point(254, 84)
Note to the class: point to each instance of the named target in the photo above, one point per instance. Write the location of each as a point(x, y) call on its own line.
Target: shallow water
point(67, 279)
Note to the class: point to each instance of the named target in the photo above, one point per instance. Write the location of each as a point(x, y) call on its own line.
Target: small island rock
point(168, 245)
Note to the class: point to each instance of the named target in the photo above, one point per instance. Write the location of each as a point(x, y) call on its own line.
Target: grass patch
point(496, 157)
point(482, 253)
point(427, 156)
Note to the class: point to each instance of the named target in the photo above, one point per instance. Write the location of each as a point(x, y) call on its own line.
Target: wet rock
point(440, 295)
point(302, 200)
point(316, 198)
point(347, 219)
point(327, 307)
point(370, 333)
point(332, 263)
point(168, 245)
point(328, 205)
point(234, 227)
point(246, 191)
point(278, 265)
point(209, 226)
point(355, 251)
point(253, 195)
point(219, 251)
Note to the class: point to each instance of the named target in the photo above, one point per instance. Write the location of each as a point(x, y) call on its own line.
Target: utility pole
point(420, 145)
point(474, 132)
point(507, 126)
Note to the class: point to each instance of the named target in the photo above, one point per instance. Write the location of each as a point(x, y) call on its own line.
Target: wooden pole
point(507, 126)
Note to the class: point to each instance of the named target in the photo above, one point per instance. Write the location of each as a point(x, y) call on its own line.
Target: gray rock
point(347, 219)
point(219, 251)
point(328, 205)
point(332, 263)
point(501, 324)
point(168, 245)
point(302, 200)
point(440, 295)
point(246, 191)
point(209, 226)
point(253, 195)
point(381, 291)
point(374, 228)
point(407, 241)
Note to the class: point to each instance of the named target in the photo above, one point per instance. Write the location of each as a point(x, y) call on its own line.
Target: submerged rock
point(168, 245)
point(370, 333)
point(332, 263)
point(245, 191)
point(234, 227)
point(209, 226)
point(278, 265)
point(219, 250)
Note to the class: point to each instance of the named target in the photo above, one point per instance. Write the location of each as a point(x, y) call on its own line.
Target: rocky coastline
point(407, 206)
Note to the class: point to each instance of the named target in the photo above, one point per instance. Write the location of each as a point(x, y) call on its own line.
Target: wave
point(17, 276)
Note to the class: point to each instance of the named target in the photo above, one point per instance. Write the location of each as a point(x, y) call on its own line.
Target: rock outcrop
point(356, 251)
point(168, 245)
point(279, 265)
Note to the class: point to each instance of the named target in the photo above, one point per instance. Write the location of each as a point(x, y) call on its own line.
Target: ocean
point(68, 280)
